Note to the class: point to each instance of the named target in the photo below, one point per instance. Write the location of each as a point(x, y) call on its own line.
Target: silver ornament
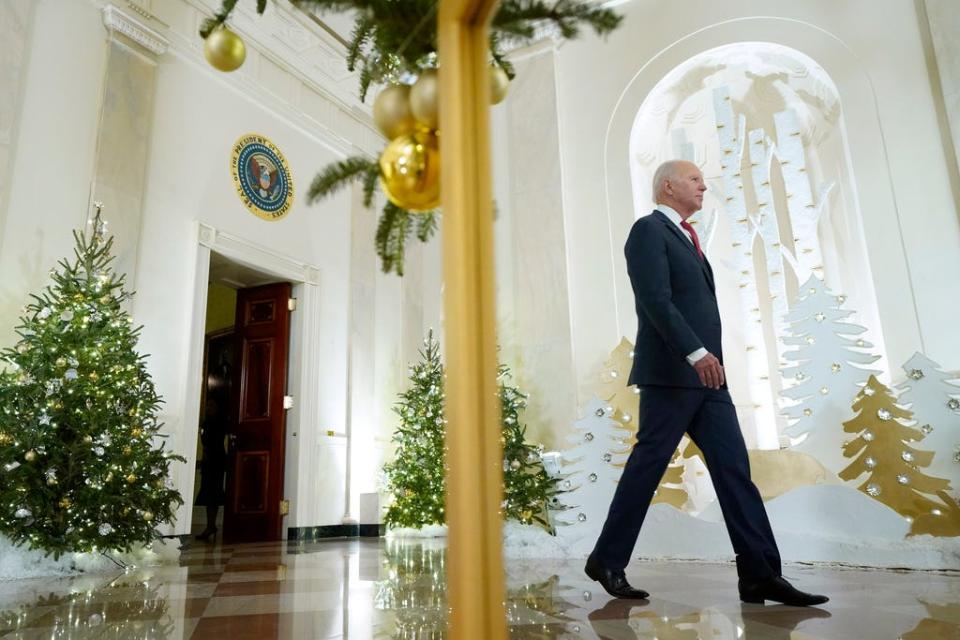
point(10, 466)
point(105, 529)
point(66, 315)
point(22, 512)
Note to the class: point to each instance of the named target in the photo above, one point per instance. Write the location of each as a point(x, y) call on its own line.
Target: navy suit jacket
point(676, 303)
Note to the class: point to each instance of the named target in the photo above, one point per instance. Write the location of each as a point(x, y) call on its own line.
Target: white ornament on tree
point(826, 357)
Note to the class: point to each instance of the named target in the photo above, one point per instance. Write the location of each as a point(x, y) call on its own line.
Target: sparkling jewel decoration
point(916, 374)
point(808, 412)
point(868, 391)
point(927, 429)
point(903, 479)
point(835, 367)
point(599, 413)
point(883, 414)
point(607, 457)
point(820, 316)
point(824, 391)
point(867, 435)
point(907, 456)
point(873, 489)
point(582, 517)
point(870, 462)
point(224, 50)
point(588, 436)
point(953, 404)
point(592, 477)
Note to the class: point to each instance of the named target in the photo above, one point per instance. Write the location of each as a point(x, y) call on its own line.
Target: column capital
point(117, 21)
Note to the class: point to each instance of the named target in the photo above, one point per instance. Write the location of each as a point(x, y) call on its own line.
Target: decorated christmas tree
point(829, 364)
point(589, 475)
point(415, 478)
point(880, 451)
point(935, 403)
point(527, 487)
point(82, 462)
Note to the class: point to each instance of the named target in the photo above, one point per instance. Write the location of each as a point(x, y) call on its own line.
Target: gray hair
point(666, 171)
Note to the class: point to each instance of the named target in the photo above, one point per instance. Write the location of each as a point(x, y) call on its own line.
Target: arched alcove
point(795, 102)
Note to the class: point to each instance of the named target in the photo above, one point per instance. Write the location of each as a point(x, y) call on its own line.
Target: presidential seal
point(262, 177)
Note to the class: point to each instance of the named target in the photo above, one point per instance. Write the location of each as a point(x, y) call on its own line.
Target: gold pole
point(475, 578)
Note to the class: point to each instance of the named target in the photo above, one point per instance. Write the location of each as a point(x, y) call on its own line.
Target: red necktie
point(693, 234)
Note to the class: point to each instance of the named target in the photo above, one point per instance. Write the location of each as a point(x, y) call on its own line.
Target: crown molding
point(117, 21)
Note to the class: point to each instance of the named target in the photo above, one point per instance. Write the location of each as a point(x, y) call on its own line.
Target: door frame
point(303, 362)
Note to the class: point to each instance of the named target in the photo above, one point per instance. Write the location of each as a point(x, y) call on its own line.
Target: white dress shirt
point(676, 219)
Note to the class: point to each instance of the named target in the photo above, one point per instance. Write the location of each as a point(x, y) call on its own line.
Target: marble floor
point(374, 588)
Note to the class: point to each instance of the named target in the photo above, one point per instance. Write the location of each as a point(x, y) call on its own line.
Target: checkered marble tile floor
point(393, 589)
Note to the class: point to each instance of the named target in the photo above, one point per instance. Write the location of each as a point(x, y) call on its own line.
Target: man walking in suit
point(678, 365)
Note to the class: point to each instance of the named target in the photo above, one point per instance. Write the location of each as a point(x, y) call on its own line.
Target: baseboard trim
point(307, 534)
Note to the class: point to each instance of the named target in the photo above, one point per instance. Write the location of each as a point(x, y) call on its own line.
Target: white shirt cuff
point(694, 357)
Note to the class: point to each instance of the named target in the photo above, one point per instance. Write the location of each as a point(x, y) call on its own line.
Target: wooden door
point(256, 443)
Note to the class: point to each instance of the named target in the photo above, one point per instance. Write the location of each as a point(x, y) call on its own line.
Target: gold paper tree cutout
point(893, 467)
point(624, 404)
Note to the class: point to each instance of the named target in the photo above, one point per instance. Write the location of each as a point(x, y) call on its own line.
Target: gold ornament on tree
point(224, 49)
point(499, 84)
point(391, 111)
point(410, 171)
point(424, 99)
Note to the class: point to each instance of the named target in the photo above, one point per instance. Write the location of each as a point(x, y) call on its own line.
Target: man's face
point(686, 189)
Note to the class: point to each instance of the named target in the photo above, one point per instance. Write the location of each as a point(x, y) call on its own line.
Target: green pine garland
point(415, 478)
point(395, 38)
point(79, 467)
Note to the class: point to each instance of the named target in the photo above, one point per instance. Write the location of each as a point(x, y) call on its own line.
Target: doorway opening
point(239, 478)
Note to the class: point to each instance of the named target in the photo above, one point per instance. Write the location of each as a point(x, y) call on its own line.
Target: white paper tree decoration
point(830, 363)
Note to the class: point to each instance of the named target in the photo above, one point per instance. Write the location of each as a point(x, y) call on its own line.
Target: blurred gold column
point(475, 578)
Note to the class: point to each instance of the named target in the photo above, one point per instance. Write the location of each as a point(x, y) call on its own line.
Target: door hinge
point(291, 304)
point(284, 507)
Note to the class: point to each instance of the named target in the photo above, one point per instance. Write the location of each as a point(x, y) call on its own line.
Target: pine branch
point(426, 225)
point(363, 31)
point(519, 17)
point(218, 19)
point(339, 174)
point(392, 232)
point(370, 183)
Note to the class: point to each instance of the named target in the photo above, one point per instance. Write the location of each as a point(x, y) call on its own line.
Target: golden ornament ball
point(30, 456)
point(425, 99)
point(391, 111)
point(5, 438)
point(109, 476)
point(51, 481)
point(224, 50)
point(499, 84)
point(131, 479)
point(137, 432)
point(94, 376)
point(126, 510)
point(148, 515)
point(65, 503)
point(410, 171)
point(127, 450)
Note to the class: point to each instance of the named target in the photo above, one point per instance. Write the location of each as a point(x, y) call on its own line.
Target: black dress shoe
point(778, 590)
point(613, 582)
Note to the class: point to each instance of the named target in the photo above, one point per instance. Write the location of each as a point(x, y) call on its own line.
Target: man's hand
point(710, 371)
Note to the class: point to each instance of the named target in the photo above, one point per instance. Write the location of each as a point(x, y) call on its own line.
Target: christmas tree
point(415, 478)
point(936, 408)
point(81, 465)
point(590, 476)
point(829, 365)
point(527, 487)
point(892, 466)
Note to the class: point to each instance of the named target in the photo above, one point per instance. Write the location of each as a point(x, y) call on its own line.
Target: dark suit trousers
point(709, 417)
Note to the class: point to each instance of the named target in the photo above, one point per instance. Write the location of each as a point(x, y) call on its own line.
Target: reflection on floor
point(387, 589)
